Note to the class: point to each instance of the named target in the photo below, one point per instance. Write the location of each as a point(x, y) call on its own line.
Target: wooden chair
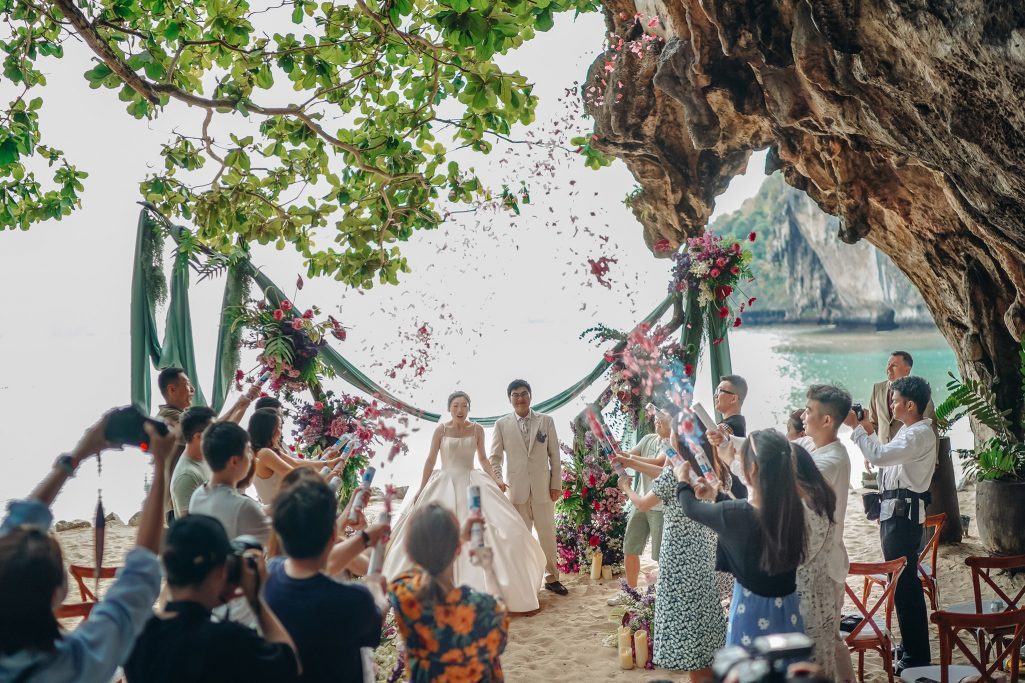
point(951, 625)
point(871, 633)
point(982, 568)
point(81, 573)
point(927, 567)
point(75, 610)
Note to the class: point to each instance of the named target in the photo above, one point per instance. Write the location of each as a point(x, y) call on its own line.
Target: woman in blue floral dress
point(689, 622)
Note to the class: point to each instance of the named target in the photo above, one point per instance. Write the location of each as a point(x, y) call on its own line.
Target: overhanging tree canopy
point(357, 107)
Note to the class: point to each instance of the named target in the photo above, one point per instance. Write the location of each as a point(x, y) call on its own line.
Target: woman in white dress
point(518, 561)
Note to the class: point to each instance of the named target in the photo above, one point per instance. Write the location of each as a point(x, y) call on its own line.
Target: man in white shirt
point(825, 411)
point(906, 464)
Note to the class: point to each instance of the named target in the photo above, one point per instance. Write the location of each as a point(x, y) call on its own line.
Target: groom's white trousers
point(540, 516)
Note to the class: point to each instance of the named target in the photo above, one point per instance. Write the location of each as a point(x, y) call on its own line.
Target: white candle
point(641, 648)
point(596, 565)
point(606, 571)
point(626, 658)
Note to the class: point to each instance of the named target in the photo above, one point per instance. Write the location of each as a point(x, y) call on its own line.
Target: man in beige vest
point(883, 420)
point(534, 480)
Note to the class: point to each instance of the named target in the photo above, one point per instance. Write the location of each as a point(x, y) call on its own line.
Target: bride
point(518, 560)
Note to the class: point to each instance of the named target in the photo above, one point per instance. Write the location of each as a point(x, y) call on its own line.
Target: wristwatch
point(65, 462)
point(366, 538)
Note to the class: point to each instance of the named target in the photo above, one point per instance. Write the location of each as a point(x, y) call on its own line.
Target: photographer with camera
point(33, 582)
point(331, 621)
point(182, 642)
point(763, 537)
point(906, 467)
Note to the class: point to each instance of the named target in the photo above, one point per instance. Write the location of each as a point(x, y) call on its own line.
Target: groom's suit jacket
point(534, 467)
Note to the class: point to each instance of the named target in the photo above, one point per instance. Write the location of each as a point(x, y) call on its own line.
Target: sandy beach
point(563, 642)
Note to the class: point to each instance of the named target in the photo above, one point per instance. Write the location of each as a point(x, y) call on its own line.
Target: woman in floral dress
point(452, 633)
point(689, 622)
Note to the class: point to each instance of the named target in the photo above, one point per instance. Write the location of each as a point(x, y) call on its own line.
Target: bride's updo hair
point(458, 394)
point(432, 543)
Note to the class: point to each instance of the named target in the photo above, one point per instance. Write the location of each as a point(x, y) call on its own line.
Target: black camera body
point(765, 661)
point(238, 548)
point(859, 411)
point(125, 427)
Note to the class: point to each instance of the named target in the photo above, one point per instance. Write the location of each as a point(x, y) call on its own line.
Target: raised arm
point(238, 410)
point(485, 464)
point(642, 503)
point(497, 454)
point(637, 465)
point(269, 459)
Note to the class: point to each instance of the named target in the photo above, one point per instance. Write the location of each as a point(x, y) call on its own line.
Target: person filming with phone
point(906, 464)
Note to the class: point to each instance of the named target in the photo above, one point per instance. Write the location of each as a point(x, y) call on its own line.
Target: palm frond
point(973, 398)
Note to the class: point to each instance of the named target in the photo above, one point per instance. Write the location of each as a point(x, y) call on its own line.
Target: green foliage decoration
point(355, 163)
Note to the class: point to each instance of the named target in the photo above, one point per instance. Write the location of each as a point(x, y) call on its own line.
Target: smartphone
point(125, 427)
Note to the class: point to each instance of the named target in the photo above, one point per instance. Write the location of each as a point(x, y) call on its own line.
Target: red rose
point(594, 541)
point(583, 492)
point(735, 270)
point(735, 248)
point(714, 272)
point(318, 406)
point(597, 506)
point(566, 494)
point(239, 375)
point(752, 300)
point(752, 236)
point(609, 357)
point(278, 314)
point(723, 312)
point(286, 305)
point(308, 313)
point(688, 369)
point(721, 262)
point(723, 291)
point(297, 324)
point(736, 323)
point(592, 481)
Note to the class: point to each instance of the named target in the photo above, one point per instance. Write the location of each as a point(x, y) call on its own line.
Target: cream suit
point(884, 424)
point(534, 470)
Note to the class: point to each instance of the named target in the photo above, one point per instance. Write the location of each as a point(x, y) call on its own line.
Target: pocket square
point(542, 437)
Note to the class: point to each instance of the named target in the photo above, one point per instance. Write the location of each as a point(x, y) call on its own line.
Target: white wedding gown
point(518, 562)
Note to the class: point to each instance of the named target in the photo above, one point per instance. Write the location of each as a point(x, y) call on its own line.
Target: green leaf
point(8, 153)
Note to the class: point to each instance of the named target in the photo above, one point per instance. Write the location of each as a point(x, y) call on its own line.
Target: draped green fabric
point(704, 322)
point(145, 347)
point(235, 290)
point(177, 348)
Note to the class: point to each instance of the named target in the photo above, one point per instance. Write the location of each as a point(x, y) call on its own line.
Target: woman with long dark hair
point(814, 586)
point(270, 462)
point(763, 537)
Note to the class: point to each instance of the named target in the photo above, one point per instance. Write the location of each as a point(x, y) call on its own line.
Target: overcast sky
point(504, 296)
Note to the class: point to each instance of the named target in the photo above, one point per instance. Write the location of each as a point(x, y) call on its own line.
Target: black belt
point(926, 497)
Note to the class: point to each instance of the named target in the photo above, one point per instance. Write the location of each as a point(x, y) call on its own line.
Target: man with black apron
point(906, 465)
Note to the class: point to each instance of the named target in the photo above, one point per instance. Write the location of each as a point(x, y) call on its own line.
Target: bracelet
point(65, 462)
point(366, 538)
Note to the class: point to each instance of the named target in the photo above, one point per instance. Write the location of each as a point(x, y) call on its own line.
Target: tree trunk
point(902, 118)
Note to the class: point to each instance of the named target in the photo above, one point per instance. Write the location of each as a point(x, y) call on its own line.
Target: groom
point(535, 472)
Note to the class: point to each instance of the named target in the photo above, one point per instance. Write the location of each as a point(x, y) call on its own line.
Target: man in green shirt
point(640, 524)
point(191, 472)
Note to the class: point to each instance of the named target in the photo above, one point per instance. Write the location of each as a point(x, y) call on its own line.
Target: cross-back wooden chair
point(873, 634)
point(81, 573)
point(951, 627)
point(983, 568)
point(927, 567)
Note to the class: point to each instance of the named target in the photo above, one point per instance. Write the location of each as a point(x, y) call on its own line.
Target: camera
point(765, 661)
point(125, 427)
point(859, 411)
point(238, 548)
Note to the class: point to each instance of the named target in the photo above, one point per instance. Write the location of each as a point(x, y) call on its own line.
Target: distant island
point(805, 274)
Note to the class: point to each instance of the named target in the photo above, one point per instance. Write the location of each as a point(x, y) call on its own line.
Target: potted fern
point(998, 463)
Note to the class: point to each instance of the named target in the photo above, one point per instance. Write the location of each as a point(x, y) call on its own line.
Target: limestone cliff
point(804, 273)
point(902, 118)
